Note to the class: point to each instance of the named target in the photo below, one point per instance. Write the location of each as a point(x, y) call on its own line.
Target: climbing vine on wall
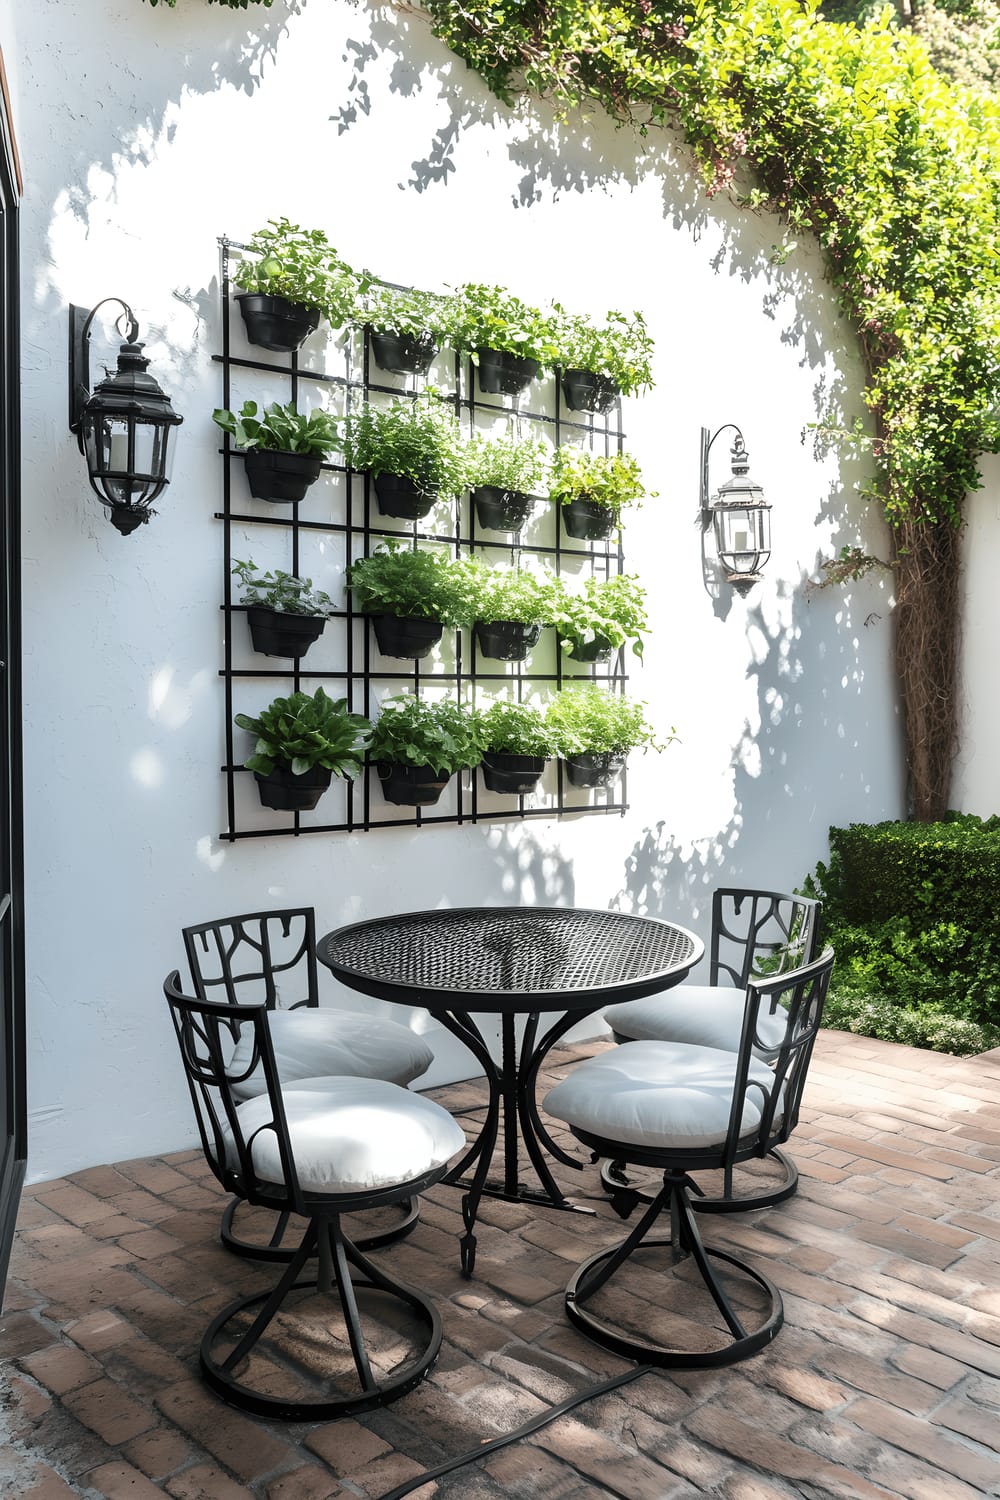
point(853, 137)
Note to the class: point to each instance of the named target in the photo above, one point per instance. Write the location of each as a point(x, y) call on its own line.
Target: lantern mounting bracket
point(707, 439)
point(79, 355)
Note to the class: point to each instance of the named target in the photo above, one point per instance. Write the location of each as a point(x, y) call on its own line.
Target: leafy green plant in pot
point(410, 596)
point(601, 617)
point(516, 743)
point(510, 342)
point(599, 364)
point(417, 745)
point(283, 448)
point(507, 475)
point(302, 742)
point(594, 730)
point(407, 327)
point(285, 614)
point(593, 490)
point(509, 607)
point(414, 451)
point(289, 279)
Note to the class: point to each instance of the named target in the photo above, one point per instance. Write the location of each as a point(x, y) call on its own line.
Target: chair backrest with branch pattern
point(260, 958)
point(757, 934)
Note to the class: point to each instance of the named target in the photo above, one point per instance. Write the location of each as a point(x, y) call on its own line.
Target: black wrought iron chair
point(269, 957)
point(678, 1109)
point(755, 934)
point(320, 1148)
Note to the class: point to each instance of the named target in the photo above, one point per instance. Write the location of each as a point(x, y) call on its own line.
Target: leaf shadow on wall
point(815, 750)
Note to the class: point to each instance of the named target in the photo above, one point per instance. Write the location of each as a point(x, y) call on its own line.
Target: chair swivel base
point(275, 1250)
point(740, 1346)
point(616, 1184)
point(344, 1273)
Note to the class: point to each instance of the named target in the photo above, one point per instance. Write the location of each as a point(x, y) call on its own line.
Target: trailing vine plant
point(851, 136)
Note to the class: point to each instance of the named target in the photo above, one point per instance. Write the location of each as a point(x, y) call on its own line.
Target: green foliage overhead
point(303, 731)
point(851, 136)
point(911, 910)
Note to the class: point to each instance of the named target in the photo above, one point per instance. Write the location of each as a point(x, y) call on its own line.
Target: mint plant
point(611, 482)
point(303, 731)
point(397, 580)
point(281, 591)
point(419, 440)
point(445, 735)
point(515, 729)
point(507, 463)
point(621, 350)
point(590, 721)
point(611, 610)
point(301, 265)
point(280, 429)
point(489, 317)
point(497, 594)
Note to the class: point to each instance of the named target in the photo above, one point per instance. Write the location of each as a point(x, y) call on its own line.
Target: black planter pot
point(286, 792)
point(273, 632)
point(398, 496)
point(280, 477)
point(503, 374)
point(593, 770)
point(413, 638)
point(513, 774)
point(506, 640)
point(586, 520)
point(275, 323)
point(410, 786)
point(599, 649)
point(585, 391)
point(502, 510)
point(404, 353)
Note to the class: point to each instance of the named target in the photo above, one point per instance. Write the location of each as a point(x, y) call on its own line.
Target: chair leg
point(275, 1350)
point(277, 1251)
point(683, 1244)
point(625, 1195)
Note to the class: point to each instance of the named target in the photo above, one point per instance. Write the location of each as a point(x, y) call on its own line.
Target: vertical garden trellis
point(353, 668)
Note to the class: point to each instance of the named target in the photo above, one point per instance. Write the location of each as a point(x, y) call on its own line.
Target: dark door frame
point(13, 1101)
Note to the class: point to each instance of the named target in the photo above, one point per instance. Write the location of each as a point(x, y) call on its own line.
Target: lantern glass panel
point(128, 458)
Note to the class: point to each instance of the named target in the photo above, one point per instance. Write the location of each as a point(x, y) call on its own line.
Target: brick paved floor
point(883, 1381)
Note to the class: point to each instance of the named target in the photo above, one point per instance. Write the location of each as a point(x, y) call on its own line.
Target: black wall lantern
point(738, 514)
point(124, 426)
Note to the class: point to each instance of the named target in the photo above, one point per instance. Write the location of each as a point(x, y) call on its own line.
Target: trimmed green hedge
point(911, 910)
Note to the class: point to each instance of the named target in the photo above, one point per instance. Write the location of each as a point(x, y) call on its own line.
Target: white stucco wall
point(146, 134)
point(975, 786)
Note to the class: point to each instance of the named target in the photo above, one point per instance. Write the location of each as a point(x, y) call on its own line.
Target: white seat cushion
point(657, 1094)
point(703, 1015)
point(322, 1043)
point(350, 1134)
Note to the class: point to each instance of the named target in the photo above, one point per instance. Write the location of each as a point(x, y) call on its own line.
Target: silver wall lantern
point(123, 427)
point(739, 515)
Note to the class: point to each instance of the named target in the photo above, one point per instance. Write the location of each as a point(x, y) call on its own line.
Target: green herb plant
point(281, 591)
point(281, 429)
point(301, 265)
point(303, 731)
point(610, 610)
point(493, 595)
point(515, 729)
point(489, 317)
point(621, 350)
point(612, 482)
point(520, 465)
point(419, 440)
point(442, 734)
point(411, 584)
point(587, 720)
point(417, 314)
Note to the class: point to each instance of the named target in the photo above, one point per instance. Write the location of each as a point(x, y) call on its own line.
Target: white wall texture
point(974, 788)
point(147, 133)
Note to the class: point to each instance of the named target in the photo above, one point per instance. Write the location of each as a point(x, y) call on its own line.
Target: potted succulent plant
point(285, 614)
point(509, 607)
point(409, 595)
point(509, 342)
point(506, 475)
point(414, 451)
point(599, 364)
point(593, 489)
point(594, 730)
point(284, 448)
point(289, 279)
point(302, 742)
point(516, 742)
point(406, 326)
point(417, 745)
point(599, 618)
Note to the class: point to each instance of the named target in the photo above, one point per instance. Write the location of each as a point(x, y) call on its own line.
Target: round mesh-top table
point(512, 961)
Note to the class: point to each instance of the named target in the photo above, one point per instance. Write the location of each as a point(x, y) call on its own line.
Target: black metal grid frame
point(362, 528)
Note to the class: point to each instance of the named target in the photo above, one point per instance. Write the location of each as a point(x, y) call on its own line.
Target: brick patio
point(881, 1383)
